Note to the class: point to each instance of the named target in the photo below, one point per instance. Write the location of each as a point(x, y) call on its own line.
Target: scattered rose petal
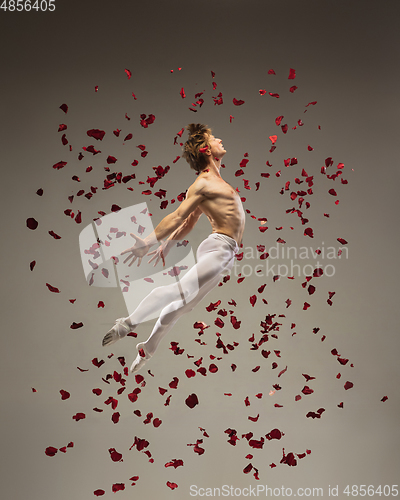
point(118, 487)
point(52, 288)
point(157, 422)
point(192, 400)
point(64, 394)
point(79, 416)
point(273, 138)
point(172, 485)
point(32, 223)
point(96, 134)
point(51, 451)
point(174, 463)
point(174, 383)
point(115, 456)
point(75, 326)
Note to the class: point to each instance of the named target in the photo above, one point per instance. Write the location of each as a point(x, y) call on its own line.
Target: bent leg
point(213, 258)
point(171, 313)
point(169, 316)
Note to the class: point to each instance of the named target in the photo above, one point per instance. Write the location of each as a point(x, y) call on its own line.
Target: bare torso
point(222, 206)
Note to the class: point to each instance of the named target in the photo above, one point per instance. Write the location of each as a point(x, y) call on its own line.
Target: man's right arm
point(181, 221)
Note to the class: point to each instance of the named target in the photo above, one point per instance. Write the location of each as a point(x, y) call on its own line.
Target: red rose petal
point(79, 416)
point(75, 326)
point(128, 73)
point(174, 383)
point(96, 134)
point(64, 394)
point(157, 422)
point(99, 493)
point(172, 485)
point(348, 385)
point(59, 165)
point(292, 74)
point(52, 288)
point(115, 456)
point(192, 400)
point(32, 223)
point(213, 368)
point(118, 487)
point(51, 451)
point(237, 102)
point(97, 363)
point(64, 107)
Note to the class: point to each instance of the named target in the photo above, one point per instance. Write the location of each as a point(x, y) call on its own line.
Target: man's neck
point(214, 166)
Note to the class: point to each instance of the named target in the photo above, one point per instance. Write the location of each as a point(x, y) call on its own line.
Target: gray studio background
point(345, 54)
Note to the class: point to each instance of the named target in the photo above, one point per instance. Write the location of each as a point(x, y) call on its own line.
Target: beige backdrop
point(345, 55)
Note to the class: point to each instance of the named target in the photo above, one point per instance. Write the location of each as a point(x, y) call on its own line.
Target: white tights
point(215, 257)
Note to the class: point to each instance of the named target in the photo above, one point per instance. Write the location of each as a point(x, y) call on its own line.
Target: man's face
point(216, 147)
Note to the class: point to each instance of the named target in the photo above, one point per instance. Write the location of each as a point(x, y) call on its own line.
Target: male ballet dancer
point(211, 195)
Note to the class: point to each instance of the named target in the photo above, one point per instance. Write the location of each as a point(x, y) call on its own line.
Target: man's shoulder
point(200, 186)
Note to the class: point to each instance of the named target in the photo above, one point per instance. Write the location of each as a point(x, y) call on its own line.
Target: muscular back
point(221, 204)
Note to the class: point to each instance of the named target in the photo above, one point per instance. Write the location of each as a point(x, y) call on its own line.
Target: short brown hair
point(198, 139)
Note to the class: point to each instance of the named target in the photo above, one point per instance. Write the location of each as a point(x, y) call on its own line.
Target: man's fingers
point(126, 260)
point(133, 260)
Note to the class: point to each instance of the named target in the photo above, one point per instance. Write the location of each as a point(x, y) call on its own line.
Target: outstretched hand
point(138, 251)
point(160, 253)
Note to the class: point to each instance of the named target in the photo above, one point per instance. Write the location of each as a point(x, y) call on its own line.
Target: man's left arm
point(185, 228)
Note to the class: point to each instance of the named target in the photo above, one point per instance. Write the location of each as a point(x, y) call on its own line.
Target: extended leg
point(168, 317)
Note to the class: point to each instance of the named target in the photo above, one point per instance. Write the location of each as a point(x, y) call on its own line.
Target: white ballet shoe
point(118, 331)
point(142, 357)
